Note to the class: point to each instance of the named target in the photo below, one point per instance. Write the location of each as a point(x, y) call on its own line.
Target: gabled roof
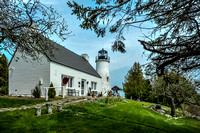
point(67, 58)
point(116, 88)
point(70, 59)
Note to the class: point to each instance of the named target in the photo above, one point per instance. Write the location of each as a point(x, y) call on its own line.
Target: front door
point(82, 86)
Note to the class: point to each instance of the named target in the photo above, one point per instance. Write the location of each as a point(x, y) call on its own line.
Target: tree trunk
point(172, 107)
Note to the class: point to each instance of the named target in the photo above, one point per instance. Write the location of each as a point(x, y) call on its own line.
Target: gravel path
point(63, 102)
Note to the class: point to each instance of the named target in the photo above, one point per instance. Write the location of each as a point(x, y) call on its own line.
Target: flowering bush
point(110, 93)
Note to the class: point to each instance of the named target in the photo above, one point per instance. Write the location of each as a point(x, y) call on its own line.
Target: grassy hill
point(116, 116)
point(17, 102)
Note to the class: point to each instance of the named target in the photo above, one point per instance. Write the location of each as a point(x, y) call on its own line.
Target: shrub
point(184, 107)
point(36, 92)
point(4, 90)
point(194, 110)
point(51, 92)
point(110, 93)
point(101, 94)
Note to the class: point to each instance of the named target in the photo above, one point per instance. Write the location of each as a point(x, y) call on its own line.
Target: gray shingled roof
point(70, 59)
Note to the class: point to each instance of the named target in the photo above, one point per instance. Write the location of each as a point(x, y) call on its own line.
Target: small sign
point(65, 80)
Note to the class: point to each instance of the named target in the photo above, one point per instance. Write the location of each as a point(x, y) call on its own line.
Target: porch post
point(46, 93)
point(63, 89)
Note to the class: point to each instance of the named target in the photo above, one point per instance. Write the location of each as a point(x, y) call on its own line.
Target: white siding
point(57, 70)
point(23, 75)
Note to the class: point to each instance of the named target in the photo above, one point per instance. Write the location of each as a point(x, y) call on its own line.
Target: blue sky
point(86, 41)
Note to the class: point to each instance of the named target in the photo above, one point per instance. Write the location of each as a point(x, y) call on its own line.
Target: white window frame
point(70, 83)
point(93, 85)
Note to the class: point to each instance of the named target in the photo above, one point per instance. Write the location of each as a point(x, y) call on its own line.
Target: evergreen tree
point(147, 90)
point(3, 74)
point(51, 92)
point(135, 85)
point(36, 92)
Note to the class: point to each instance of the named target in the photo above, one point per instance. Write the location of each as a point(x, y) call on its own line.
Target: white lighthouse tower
point(102, 67)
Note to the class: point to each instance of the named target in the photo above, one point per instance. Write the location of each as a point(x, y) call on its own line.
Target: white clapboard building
point(25, 75)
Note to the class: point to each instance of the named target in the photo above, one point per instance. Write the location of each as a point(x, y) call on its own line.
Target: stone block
point(59, 107)
point(158, 106)
point(37, 111)
point(49, 108)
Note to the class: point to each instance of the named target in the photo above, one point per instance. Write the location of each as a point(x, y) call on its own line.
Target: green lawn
point(7, 102)
point(98, 117)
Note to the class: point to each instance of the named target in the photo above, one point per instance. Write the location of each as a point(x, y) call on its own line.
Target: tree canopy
point(176, 88)
point(174, 39)
point(28, 26)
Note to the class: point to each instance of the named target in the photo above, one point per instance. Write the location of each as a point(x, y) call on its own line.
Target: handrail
point(97, 58)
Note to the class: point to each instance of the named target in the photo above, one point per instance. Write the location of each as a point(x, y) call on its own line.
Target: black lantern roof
point(103, 54)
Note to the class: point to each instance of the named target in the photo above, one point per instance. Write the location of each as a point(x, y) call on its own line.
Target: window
point(83, 86)
point(70, 82)
point(107, 79)
point(93, 85)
